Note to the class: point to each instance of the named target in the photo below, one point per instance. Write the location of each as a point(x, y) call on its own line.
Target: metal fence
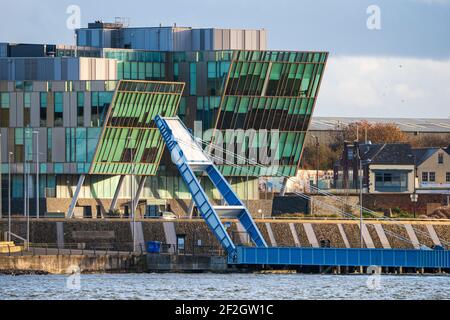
point(44, 249)
point(192, 250)
point(105, 249)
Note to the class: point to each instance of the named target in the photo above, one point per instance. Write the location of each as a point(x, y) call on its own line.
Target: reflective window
point(49, 144)
point(43, 108)
point(193, 79)
point(26, 109)
point(432, 176)
point(4, 109)
point(59, 109)
point(440, 158)
point(100, 102)
point(19, 145)
point(391, 181)
point(80, 109)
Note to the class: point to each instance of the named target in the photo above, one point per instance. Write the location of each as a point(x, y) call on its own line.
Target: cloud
point(385, 87)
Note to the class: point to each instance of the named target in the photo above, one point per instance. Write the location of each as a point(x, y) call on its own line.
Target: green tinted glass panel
point(271, 91)
point(130, 138)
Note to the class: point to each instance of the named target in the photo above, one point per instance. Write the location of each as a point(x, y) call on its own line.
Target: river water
point(228, 287)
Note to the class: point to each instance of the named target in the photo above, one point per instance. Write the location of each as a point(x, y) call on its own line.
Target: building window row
point(52, 108)
point(141, 71)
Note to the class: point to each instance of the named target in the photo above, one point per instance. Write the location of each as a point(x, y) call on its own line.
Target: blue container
point(154, 247)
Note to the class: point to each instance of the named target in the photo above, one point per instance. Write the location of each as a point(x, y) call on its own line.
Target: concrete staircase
point(9, 247)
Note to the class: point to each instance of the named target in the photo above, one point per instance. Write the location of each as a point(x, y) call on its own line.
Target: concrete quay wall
point(69, 264)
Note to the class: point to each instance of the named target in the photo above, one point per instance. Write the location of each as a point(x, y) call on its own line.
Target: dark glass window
point(19, 145)
point(26, 109)
point(100, 102)
point(391, 181)
point(4, 109)
point(43, 109)
point(59, 109)
point(80, 109)
point(49, 144)
point(193, 79)
point(432, 176)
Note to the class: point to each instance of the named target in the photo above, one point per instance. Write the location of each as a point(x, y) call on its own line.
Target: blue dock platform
point(330, 257)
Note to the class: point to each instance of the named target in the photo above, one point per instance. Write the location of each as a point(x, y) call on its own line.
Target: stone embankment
point(114, 234)
point(104, 245)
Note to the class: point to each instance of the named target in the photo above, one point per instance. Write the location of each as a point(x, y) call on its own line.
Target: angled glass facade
point(234, 90)
point(130, 142)
point(271, 91)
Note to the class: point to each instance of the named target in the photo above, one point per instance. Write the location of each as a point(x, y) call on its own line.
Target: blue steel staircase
point(190, 159)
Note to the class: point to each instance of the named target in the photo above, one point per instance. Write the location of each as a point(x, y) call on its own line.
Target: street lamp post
point(317, 161)
point(414, 200)
point(37, 174)
point(1, 178)
point(361, 181)
point(27, 201)
point(133, 215)
point(361, 165)
point(9, 195)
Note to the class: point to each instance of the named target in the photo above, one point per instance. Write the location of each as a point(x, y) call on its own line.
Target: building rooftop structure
point(169, 38)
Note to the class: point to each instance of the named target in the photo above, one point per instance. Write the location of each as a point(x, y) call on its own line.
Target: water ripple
point(232, 286)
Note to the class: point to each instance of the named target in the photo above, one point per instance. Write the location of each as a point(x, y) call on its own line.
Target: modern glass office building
point(95, 119)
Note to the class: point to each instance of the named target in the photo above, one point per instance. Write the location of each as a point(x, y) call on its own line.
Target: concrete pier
point(185, 263)
point(64, 264)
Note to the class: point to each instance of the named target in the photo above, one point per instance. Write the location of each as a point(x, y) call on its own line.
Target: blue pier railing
point(342, 257)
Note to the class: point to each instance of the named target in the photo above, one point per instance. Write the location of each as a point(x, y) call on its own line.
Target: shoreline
point(170, 264)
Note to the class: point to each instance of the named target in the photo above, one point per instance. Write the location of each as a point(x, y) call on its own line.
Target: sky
point(388, 58)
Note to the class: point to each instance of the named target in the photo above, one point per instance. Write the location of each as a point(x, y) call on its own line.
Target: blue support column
point(232, 200)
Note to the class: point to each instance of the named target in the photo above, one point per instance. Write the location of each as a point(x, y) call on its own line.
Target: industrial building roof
point(405, 124)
